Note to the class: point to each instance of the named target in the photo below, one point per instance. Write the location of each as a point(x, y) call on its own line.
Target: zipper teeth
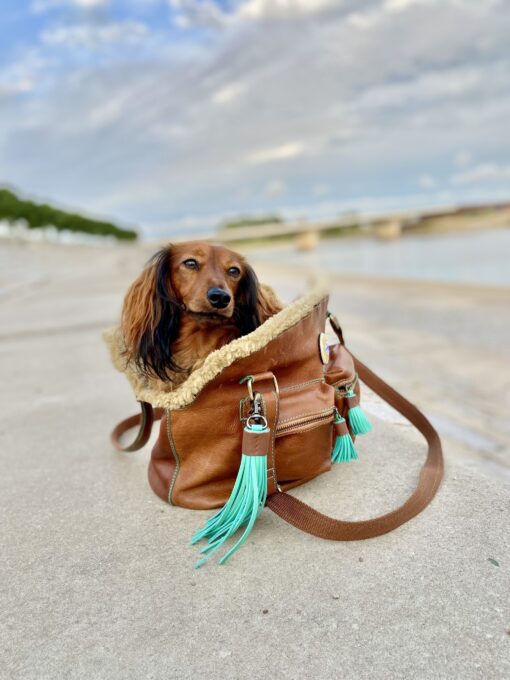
point(175, 455)
point(308, 420)
point(346, 385)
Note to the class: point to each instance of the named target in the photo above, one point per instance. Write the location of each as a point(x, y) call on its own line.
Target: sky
point(172, 115)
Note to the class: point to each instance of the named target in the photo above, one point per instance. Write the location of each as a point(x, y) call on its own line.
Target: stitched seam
point(303, 384)
point(175, 455)
point(306, 428)
point(306, 415)
point(273, 439)
point(273, 435)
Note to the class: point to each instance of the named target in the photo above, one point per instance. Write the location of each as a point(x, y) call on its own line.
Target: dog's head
point(211, 284)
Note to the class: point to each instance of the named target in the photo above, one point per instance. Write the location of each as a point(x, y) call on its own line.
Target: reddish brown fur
point(197, 335)
point(139, 311)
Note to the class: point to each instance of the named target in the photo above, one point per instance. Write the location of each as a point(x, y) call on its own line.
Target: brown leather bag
point(278, 401)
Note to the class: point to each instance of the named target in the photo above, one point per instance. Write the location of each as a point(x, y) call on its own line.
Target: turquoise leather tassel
point(344, 450)
point(246, 501)
point(357, 419)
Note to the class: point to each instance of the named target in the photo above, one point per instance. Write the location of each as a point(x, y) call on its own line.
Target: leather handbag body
point(266, 414)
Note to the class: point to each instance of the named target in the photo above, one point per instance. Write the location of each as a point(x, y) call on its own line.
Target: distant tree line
point(39, 215)
point(251, 221)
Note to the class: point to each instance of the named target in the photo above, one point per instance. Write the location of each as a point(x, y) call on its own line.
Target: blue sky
point(171, 115)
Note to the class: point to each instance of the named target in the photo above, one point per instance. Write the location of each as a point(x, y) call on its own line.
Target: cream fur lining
point(185, 393)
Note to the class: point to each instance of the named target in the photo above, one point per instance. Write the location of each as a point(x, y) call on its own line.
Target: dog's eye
point(191, 263)
point(234, 271)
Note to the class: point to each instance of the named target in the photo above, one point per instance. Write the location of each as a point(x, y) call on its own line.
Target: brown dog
point(191, 299)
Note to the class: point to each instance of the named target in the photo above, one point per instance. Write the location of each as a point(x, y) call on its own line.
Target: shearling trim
point(184, 394)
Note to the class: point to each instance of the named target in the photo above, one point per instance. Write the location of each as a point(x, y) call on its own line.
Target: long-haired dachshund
point(191, 299)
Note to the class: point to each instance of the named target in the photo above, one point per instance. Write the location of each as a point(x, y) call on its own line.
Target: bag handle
point(306, 518)
point(145, 419)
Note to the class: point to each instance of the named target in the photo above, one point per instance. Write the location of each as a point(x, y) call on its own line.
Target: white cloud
point(364, 20)
point(482, 173)
point(41, 6)
point(276, 153)
point(94, 35)
point(227, 93)
point(462, 158)
point(402, 5)
point(321, 189)
point(426, 181)
point(217, 122)
point(256, 10)
point(18, 86)
point(197, 13)
point(21, 77)
point(275, 188)
point(208, 13)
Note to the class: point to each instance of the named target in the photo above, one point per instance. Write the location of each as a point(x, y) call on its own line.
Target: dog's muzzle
point(218, 298)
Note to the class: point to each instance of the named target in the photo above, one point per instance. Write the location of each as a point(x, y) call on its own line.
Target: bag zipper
point(297, 424)
point(303, 423)
point(343, 386)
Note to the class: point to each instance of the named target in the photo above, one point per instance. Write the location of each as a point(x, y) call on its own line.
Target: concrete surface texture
point(97, 573)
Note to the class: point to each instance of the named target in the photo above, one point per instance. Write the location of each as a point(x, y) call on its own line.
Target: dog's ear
point(246, 312)
point(150, 318)
point(267, 303)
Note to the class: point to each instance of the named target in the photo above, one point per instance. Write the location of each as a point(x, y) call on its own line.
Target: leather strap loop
point(306, 518)
point(144, 420)
point(268, 387)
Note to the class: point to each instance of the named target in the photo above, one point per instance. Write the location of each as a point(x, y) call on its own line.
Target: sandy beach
point(97, 573)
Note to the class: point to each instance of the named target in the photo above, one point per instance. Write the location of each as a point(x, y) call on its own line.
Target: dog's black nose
point(218, 297)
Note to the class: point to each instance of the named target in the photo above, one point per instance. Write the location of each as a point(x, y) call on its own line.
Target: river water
point(478, 257)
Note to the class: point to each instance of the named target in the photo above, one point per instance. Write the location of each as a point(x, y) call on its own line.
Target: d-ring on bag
point(264, 414)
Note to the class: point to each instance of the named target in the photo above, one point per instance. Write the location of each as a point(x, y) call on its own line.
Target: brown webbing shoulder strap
point(304, 517)
point(145, 419)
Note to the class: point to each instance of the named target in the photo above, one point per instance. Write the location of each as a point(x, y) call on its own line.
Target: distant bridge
point(383, 225)
point(393, 222)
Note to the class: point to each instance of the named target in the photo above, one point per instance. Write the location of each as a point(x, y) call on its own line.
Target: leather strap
point(267, 385)
point(306, 518)
point(145, 419)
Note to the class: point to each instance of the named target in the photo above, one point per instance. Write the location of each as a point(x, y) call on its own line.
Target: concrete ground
point(97, 573)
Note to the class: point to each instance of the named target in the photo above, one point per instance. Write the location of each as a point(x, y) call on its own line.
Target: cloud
point(42, 6)
point(321, 189)
point(482, 173)
point(257, 10)
point(402, 5)
point(18, 86)
point(277, 153)
point(275, 188)
point(189, 13)
point(358, 101)
point(22, 77)
point(426, 181)
point(462, 158)
point(94, 35)
point(227, 93)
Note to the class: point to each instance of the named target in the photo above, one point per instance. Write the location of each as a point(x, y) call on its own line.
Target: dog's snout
point(218, 297)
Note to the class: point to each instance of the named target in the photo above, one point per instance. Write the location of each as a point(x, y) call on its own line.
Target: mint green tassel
point(357, 419)
point(344, 450)
point(245, 504)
